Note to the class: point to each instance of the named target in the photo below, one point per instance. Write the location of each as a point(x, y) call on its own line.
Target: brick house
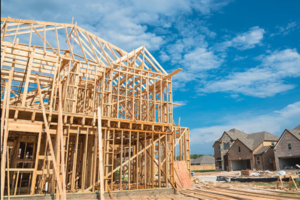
point(205, 162)
point(287, 150)
point(223, 144)
point(237, 150)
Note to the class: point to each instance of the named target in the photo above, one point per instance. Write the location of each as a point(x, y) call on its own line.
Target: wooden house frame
point(68, 96)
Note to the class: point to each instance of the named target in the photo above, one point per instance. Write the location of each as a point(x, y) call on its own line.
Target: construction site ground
point(205, 186)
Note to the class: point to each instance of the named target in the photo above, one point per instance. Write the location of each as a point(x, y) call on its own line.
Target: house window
point(273, 143)
point(226, 146)
point(219, 149)
point(289, 146)
point(287, 136)
point(239, 148)
point(257, 160)
point(270, 161)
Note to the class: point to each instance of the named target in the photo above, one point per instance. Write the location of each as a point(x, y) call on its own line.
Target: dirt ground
point(238, 173)
point(209, 180)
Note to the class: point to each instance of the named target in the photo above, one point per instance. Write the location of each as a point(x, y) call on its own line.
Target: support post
point(100, 154)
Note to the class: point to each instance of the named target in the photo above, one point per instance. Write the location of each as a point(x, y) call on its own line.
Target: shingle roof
point(295, 132)
point(206, 159)
point(251, 140)
point(261, 150)
point(297, 128)
point(235, 133)
point(258, 138)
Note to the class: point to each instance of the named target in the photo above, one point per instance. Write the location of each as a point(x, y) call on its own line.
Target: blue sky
point(240, 59)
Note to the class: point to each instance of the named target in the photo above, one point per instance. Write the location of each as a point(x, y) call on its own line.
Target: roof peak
point(297, 127)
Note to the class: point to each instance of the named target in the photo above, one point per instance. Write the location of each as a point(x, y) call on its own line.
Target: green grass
point(265, 184)
point(211, 170)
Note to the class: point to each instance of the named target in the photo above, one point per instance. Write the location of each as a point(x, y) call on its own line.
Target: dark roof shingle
point(251, 140)
point(295, 132)
point(206, 159)
point(261, 150)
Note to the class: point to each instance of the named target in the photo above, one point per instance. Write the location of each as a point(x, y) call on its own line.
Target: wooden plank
point(32, 189)
point(159, 163)
point(129, 163)
point(8, 181)
point(3, 158)
point(3, 114)
point(121, 160)
point(180, 168)
point(100, 154)
point(55, 166)
point(75, 161)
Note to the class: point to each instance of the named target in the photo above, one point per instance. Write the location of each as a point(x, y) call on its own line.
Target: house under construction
point(79, 114)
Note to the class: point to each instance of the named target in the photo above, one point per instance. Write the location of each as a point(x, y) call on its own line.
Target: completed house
point(205, 162)
point(287, 149)
point(237, 150)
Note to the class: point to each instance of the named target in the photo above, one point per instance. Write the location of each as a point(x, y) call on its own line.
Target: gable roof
point(256, 139)
point(250, 140)
point(206, 159)
point(262, 150)
point(295, 132)
point(233, 134)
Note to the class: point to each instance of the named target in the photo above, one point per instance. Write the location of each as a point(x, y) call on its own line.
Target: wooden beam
point(55, 166)
point(101, 179)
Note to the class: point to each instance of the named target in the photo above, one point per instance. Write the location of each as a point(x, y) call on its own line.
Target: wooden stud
point(100, 155)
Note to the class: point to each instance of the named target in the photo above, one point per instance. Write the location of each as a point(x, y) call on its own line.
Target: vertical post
point(145, 163)
point(137, 160)
point(129, 163)
point(62, 149)
point(3, 111)
point(56, 171)
point(159, 162)
point(153, 160)
point(84, 164)
point(95, 160)
point(8, 181)
point(121, 160)
point(100, 154)
point(166, 160)
point(32, 190)
point(3, 160)
point(75, 162)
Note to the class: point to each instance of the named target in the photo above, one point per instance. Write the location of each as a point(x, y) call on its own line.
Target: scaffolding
point(68, 96)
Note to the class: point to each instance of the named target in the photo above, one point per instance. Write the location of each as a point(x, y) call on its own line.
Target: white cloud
point(245, 40)
point(285, 30)
point(123, 23)
point(207, 6)
point(274, 122)
point(238, 58)
point(262, 81)
point(164, 57)
point(193, 52)
point(201, 59)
